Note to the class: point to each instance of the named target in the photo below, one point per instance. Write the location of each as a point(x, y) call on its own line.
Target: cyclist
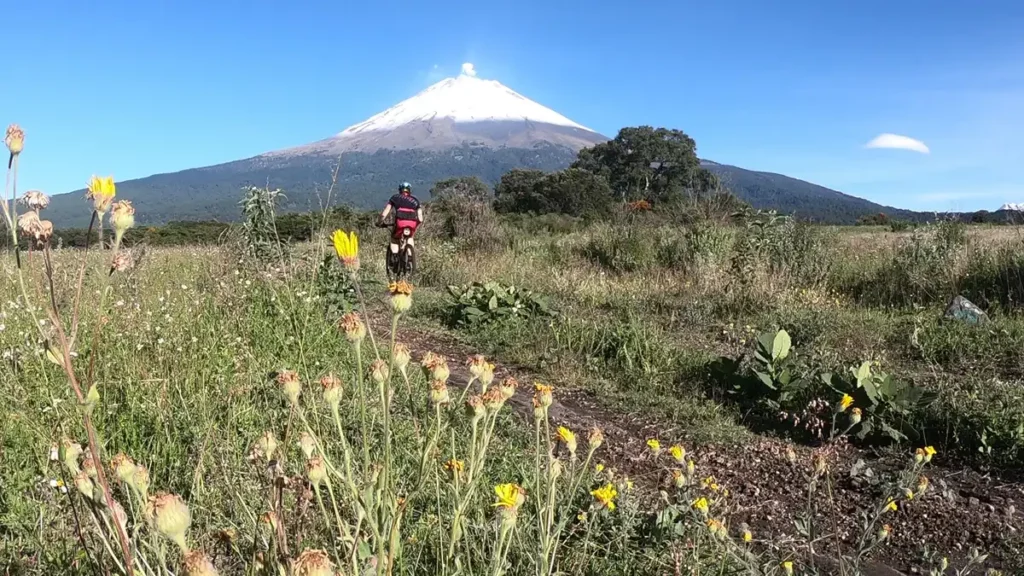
point(408, 215)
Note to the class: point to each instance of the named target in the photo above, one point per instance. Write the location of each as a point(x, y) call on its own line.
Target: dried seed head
point(123, 467)
point(70, 452)
point(476, 364)
point(140, 480)
point(122, 217)
point(352, 325)
point(289, 381)
point(35, 200)
point(555, 469)
point(332, 390)
point(197, 564)
point(307, 444)
point(595, 439)
point(508, 387)
point(316, 471)
point(487, 376)
point(435, 366)
point(122, 261)
point(400, 356)
point(678, 478)
point(379, 371)
point(313, 563)
point(439, 393)
point(84, 484)
point(855, 416)
point(266, 445)
point(170, 516)
point(494, 400)
point(29, 224)
point(89, 466)
point(15, 139)
point(475, 407)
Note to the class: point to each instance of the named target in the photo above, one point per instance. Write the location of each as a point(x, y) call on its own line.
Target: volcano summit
point(462, 126)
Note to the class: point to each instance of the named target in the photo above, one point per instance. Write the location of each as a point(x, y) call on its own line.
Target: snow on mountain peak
point(465, 98)
point(1013, 207)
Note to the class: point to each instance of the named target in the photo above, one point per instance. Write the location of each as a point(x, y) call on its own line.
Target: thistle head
point(35, 200)
point(15, 139)
point(439, 393)
point(122, 217)
point(508, 387)
point(196, 563)
point(331, 385)
point(316, 471)
point(307, 444)
point(400, 356)
point(170, 516)
point(352, 325)
point(313, 563)
point(123, 467)
point(291, 385)
point(379, 371)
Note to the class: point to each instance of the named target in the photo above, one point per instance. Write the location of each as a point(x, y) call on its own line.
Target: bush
point(482, 303)
point(460, 210)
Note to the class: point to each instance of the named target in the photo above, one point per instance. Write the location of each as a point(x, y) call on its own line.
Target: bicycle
point(401, 265)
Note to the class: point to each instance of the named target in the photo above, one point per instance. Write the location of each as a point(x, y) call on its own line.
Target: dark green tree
point(575, 192)
point(516, 192)
point(645, 163)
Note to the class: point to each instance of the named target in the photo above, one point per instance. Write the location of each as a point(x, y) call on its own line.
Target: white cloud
point(898, 142)
point(468, 69)
point(957, 195)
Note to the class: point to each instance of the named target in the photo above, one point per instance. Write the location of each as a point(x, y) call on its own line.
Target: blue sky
point(797, 87)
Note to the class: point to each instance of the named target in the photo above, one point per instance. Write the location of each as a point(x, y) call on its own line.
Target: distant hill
point(767, 190)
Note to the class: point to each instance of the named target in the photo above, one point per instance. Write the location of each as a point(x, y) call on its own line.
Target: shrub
point(482, 303)
point(460, 210)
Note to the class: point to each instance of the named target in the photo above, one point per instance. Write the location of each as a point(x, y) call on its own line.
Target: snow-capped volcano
point(464, 110)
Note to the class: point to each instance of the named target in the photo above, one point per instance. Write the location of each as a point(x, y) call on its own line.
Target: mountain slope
point(463, 126)
point(767, 190)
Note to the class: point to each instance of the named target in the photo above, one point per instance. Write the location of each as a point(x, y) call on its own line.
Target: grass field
point(213, 371)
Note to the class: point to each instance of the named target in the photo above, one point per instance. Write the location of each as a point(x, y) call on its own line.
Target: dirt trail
point(962, 509)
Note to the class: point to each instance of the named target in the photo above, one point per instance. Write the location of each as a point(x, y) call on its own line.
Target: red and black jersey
point(405, 206)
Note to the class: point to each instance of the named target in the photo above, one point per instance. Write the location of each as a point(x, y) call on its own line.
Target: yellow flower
point(101, 191)
point(599, 468)
point(401, 296)
point(654, 445)
point(928, 453)
point(605, 496)
point(845, 403)
point(347, 248)
point(908, 494)
point(787, 566)
point(891, 505)
point(678, 452)
point(456, 467)
point(747, 536)
point(710, 483)
point(701, 505)
point(510, 497)
point(568, 438)
point(717, 528)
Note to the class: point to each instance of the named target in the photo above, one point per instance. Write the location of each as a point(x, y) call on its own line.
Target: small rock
point(962, 309)
point(973, 502)
point(990, 507)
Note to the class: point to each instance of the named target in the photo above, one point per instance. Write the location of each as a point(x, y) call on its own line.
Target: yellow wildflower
point(401, 296)
point(347, 248)
point(455, 467)
point(568, 438)
point(891, 505)
point(101, 191)
point(701, 505)
point(543, 394)
point(845, 403)
point(654, 445)
point(787, 566)
point(710, 483)
point(928, 453)
point(599, 468)
point(746, 534)
point(510, 497)
point(678, 452)
point(605, 496)
point(717, 528)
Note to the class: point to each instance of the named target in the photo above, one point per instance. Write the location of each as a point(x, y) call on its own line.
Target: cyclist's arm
point(419, 214)
point(387, 210)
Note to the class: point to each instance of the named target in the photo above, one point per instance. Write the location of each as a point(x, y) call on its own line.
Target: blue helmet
point(405, 187)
